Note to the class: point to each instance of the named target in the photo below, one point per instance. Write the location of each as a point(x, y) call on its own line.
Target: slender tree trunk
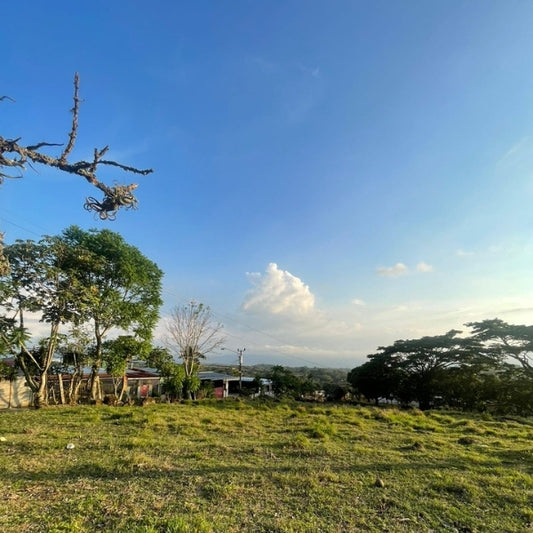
point(71, 388)
point(75, 385)
point(96, 390)
point(54, 399)
point(38, 384)
point(61, 389)
point(124, 386)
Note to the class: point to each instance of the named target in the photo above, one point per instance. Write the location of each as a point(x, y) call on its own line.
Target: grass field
point(263, 467)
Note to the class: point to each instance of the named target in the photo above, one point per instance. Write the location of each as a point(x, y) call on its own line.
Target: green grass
point(259, 467)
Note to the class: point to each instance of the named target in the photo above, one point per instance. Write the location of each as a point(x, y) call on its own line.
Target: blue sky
point(328, 176)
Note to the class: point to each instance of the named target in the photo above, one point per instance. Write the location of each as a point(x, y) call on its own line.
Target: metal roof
point(216, 376)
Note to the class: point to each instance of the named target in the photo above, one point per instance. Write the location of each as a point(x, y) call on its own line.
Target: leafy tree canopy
point(505, 340)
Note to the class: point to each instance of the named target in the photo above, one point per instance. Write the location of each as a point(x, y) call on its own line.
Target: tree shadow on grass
point(521, 459)
point(128, 473)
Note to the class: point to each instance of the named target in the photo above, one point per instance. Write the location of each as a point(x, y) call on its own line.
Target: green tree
point(286, 383)
point(412, 370)
point(424, 360)
point(8, 373)
point(37, 283)
point(76, 351)
point(379, 377)
point(505, 341)
point(464, 388)
point(172, 373)
point(118, 288)
point(118, 354)
point(191, 334)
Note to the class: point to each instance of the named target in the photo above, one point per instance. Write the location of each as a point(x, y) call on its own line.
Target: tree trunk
point(124, 386)
point(61, 389)
point(96, 390)
point(40, 396)
point(75, 385)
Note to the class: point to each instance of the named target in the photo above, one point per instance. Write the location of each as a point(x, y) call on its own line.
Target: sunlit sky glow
point(329, 176)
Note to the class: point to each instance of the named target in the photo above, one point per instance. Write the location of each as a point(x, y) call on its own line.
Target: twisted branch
point(14, 154)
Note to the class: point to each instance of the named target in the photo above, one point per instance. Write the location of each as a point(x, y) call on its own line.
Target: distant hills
point(322, 376)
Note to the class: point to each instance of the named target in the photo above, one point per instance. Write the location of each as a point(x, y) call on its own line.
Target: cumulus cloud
point(278, 292)
point(399, 269)
point(359, 302)
point(424, 267)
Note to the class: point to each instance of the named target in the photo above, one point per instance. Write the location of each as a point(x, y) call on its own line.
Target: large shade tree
point(412, 370)
point(505, 341)
point(378, 378)
point(119, 289)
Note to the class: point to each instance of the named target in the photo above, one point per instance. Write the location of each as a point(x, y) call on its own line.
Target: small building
point(139, 383)
point(226, 385)
point(221, 382)
point(143, 383)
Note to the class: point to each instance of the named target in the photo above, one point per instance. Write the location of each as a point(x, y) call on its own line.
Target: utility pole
point(239, 351)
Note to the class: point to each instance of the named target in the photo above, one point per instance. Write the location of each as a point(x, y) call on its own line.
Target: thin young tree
point(191, 334)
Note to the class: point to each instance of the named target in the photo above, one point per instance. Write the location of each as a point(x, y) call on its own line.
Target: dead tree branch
point(74, 111)
point(14, 154)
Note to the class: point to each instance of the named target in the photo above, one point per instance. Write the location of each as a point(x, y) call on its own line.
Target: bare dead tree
point(16, 156)
point(191, 334)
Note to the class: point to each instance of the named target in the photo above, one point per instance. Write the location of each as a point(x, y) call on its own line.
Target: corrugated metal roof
point(215, 376)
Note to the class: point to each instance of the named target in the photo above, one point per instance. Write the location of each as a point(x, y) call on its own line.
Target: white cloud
point(463, 253)
point(424, 267)
point(399, 269)
point(359, 302)
point(278, 292)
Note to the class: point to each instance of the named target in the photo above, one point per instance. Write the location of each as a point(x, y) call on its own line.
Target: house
point(226, 385)
point(139, 383)
point(143, 383)
point(221, 382)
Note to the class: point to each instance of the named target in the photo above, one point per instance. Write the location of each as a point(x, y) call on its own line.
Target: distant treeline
point(321, 377)
point(490, 369)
